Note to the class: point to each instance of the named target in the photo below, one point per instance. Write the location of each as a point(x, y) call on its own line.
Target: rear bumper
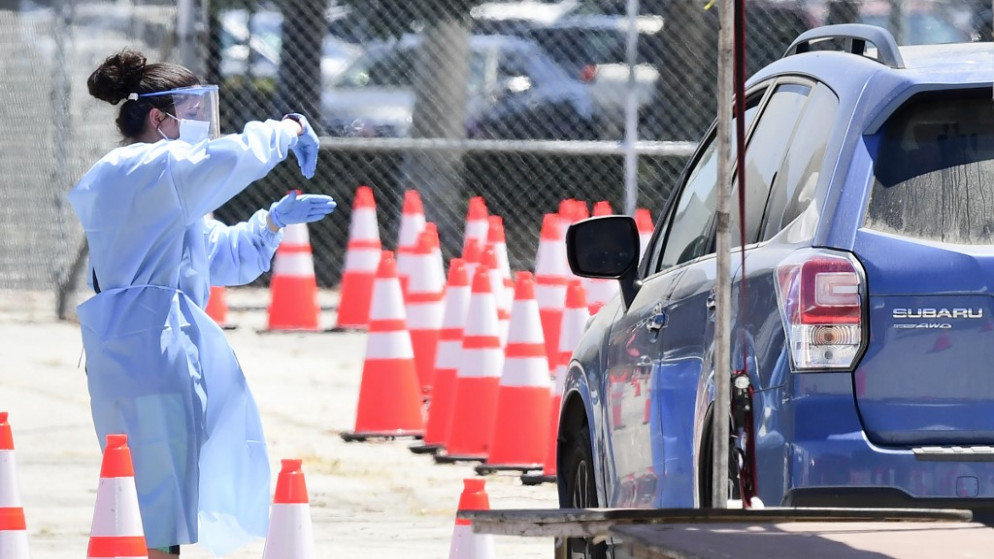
point(851, 471)
point(883, 497)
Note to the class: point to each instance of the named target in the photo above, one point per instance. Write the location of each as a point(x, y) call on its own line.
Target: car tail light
point(588, 73)
point(821, 294)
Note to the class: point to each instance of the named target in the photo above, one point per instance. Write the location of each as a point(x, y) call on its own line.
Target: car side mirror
point(605, 247)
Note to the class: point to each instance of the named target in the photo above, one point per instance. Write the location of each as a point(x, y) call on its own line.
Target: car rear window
point(934, 169)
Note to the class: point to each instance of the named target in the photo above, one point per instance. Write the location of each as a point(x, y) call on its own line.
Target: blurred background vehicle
point(514, 90)
point(593, 49)
point(251, 42)
point(911, 22)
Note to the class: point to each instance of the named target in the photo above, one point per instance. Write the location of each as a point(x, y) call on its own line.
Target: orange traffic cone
point(599, 290)
point(489, 261)
point(389, 397)
point(477, 377)
point(643, 221)
point(465, 543)
point(471, 255)
point(497, 239)
point(551, 273)
point(424, 306)
point(293, 287)
point(362, 256)
point(117, 524)
point(13, 530)
point(476, 221)
point(412, 223)
point(217, 306)
point(290, 535)
point(574, 321)
point(518, 439)
point(447, 356)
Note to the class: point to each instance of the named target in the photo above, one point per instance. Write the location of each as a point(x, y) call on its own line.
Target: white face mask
point(190, 131)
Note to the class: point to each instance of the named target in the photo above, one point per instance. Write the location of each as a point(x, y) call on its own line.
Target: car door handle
point(712, 301)
point(657, 320)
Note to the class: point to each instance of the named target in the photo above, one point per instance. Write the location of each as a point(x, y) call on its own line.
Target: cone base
point(443, 458)
point(484, 469)
point(361, 436)
point(425, 448)
point(536, 479)
point(293, 331)
point(337, 329)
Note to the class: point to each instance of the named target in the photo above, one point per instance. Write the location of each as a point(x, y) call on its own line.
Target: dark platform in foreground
point(812, 533)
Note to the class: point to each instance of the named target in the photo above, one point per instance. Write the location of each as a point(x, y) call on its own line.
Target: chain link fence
point(525, 103)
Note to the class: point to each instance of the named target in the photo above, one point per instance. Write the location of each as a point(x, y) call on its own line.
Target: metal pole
point(186, 34)
point(61, 115)
point(723, 295)
point(631, 110)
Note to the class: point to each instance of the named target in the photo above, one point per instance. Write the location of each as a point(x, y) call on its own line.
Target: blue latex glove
point(306, 149)
point(300, 209)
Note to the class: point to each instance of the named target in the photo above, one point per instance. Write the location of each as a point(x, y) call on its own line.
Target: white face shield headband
point(196, 110)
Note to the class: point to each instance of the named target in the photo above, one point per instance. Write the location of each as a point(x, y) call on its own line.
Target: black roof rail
point(856, 36)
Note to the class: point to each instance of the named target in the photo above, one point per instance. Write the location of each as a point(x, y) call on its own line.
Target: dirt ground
point(371, 499)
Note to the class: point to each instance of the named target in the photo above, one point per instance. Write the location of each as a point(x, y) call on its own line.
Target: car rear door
point(927, 377)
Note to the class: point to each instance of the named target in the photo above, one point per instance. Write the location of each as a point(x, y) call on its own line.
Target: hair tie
point(132, 97)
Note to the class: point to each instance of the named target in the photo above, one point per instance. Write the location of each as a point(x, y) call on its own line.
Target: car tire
point(705, 466)
point(581, 491)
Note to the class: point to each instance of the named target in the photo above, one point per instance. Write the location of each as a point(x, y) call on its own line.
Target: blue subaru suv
point(866, 325)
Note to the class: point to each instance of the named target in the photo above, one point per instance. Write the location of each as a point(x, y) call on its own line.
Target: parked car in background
point(863, 315)
point(252, 41)
point(921, 22)
point(514, 90)
point(593, 49)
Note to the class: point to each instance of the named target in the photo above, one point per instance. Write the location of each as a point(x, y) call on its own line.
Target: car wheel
point(581, 491)
point(705, 466)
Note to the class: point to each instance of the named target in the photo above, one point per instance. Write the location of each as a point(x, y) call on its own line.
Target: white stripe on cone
point(411, 225)
point(294, 264)
point(503, 304)
point(600, 291)
point(468, 545)
point(425, 316)
point(296, 234)
point(526, 372)
point(362, 260)
point(447, 355)
point(481, 363)
point(387, 301)
point(13, 543)
point(9, 496)
point(116, 513)
point(363, 225)
point(291, 532)
point(476, 229)
point(389, 345)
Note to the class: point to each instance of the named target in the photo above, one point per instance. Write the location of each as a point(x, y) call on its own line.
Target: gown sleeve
point(240, 253)
point(208, 174)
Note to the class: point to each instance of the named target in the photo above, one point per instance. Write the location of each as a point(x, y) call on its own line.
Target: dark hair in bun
point(125, 73)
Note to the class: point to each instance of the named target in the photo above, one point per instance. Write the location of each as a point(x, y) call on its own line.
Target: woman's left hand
point(300, 209)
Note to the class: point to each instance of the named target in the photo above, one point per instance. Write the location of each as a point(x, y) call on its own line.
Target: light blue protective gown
point(158, 368)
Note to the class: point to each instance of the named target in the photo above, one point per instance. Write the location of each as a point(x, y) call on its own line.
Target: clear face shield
point(196, 110)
